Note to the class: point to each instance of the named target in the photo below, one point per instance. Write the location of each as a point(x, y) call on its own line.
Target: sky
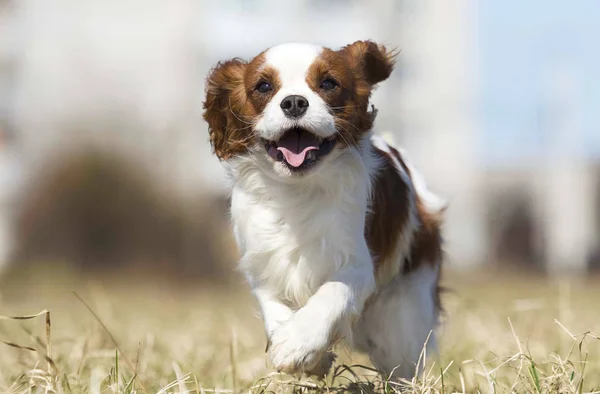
point(525, 47)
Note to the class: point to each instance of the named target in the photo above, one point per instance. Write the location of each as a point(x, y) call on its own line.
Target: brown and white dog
point(339, 236)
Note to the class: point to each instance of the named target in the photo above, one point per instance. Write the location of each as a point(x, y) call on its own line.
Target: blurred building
point(128, 77)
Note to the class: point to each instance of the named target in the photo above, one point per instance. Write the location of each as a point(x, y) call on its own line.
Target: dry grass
point(512, 334)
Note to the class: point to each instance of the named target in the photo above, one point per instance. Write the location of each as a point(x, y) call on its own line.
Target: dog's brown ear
point(224, 97)
point(373, 62)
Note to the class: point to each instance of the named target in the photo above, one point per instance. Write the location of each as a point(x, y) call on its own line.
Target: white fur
point(292, 62)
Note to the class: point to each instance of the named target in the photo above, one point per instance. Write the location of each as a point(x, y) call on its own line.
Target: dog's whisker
point(342, 135)
point(342, 107)
point(349, 123)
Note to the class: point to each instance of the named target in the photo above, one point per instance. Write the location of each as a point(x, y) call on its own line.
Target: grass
point(500, 334)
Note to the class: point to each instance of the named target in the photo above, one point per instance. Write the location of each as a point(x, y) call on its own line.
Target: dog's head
point(294, 103)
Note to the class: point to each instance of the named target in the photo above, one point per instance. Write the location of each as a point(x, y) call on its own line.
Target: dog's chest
point(293, 245)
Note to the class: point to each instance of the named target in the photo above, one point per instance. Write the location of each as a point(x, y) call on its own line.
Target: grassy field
point(500, 334)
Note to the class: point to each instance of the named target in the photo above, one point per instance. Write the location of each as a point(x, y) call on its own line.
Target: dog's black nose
point(294, 106)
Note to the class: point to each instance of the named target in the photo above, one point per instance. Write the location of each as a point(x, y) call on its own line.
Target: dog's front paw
point(295, 348)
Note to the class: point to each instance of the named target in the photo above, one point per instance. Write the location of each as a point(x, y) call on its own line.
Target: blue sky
point(519, 43)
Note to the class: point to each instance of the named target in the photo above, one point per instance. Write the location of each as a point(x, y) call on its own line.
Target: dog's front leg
point(274, 312)
point(301, 344)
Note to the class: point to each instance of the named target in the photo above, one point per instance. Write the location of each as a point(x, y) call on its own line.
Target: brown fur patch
point(426, 247)
point(356, 69)
point(374, 62)
point(225, 101)
point(351, 116)
point(389, 211)
point(256, 73)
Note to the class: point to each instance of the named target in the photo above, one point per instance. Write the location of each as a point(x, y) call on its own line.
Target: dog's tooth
point(312, 155)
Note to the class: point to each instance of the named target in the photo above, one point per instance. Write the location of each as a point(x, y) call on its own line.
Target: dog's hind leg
point(397, 325)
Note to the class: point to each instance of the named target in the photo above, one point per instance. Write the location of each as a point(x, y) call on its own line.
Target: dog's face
point(294, 103)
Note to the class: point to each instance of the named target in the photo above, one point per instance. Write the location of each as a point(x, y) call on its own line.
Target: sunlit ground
point(501, 334)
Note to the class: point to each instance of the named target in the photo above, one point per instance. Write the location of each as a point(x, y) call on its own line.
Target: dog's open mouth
point(299, 148)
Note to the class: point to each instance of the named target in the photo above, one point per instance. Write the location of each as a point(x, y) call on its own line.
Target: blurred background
point(105, 164)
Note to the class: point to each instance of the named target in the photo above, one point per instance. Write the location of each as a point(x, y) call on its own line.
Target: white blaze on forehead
point(292, 61)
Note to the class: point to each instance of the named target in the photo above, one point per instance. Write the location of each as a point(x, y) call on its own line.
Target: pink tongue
point(295, 145)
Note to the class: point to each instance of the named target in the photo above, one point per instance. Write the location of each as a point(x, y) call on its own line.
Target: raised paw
point(295, 349)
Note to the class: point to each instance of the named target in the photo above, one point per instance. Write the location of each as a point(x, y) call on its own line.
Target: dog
point(339, 236)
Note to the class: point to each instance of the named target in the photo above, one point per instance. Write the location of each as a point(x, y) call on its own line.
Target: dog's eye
point(328, 84)
point(264, 87)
